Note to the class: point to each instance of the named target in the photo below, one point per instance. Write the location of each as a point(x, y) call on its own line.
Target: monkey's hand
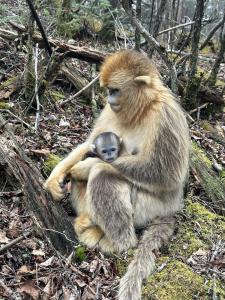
point(56, 186)
point(82, 169)
point(56, 181)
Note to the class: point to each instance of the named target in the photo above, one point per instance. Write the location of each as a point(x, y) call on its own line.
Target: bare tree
point(137, 33)
point(192, 85)
point(213, 75)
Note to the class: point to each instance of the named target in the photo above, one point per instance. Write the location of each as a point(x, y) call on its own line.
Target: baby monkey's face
point(107, 146)
point(108, 152)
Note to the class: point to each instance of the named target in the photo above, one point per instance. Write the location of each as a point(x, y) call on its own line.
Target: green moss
point(197, 231)
point(5, 105)
point(175, 282)
point(8, 82)
point(55, 95)
point(201, 154)
point(50, 163)
point(80, 254)
point(71, 28)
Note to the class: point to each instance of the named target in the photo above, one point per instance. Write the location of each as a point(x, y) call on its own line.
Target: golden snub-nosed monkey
point(143, 187)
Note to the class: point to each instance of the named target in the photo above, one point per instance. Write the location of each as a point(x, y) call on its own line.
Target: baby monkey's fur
point(145, 189)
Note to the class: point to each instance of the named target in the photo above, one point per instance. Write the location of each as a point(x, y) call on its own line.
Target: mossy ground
point(174, 279)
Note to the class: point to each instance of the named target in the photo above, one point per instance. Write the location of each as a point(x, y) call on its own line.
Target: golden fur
point(145, 183)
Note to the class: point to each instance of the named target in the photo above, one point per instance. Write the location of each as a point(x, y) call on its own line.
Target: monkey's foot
point(88, 233)
point(92, 235)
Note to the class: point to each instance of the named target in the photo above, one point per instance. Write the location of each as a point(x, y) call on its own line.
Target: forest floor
point(192, 266)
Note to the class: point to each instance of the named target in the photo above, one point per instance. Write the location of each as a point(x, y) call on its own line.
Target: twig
point(42, 31)
point(18, 118)
point(72, 97)
point(175, 27)
point(36, 87)
point(56, 231)
point(198, 108)
point(11, 193)
point(15, 241)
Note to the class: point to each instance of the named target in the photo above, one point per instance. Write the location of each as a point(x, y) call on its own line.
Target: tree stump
point(48, 215)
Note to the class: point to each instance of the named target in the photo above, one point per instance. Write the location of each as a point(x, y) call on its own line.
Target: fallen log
point(205, 94)
point(19, 171)
point(82, 53)
point(201, 168)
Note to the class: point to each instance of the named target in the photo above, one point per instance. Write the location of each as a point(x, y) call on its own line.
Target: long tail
point(143, 263)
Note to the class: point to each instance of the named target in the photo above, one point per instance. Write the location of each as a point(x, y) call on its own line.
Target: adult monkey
point(144, 113)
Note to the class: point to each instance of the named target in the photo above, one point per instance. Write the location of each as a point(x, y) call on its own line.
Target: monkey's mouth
point(115, 107)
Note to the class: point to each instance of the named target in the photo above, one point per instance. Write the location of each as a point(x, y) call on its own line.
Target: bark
point(191, 91)
point(220, 57)
point(137, 33)
point(48, 215)
point(211, 34)
point(76, 78)
point(211, 183)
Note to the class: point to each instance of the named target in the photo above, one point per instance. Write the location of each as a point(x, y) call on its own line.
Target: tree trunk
point(213, 75)
point(191, 91)
point(48, 215)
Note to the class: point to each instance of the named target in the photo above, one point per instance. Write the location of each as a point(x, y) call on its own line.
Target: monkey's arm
point(81, 170)
point(58, 174)
point(154, 171)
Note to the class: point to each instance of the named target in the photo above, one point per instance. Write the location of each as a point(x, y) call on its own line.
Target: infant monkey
point(106, 146)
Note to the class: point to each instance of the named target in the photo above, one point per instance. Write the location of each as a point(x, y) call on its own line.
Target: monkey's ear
point(143, 79)
point(92, 147)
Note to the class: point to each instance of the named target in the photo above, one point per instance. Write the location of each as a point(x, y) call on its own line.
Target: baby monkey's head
point(107, 146)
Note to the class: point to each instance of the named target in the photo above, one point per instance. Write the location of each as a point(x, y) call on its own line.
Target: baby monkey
point(106, 146)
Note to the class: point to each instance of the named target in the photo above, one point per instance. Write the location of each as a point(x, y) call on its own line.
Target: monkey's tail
point(143, 263)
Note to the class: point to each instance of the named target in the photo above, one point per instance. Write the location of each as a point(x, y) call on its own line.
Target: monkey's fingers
point(53, 186)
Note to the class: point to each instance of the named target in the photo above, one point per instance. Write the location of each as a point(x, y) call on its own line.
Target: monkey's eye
point(113, 149)
point(104, 151)
point(113, 91)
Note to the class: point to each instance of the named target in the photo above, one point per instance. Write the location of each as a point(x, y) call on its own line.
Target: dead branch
point(72, 97)
point(82, 53)
point(175, 27)
point(15, 241)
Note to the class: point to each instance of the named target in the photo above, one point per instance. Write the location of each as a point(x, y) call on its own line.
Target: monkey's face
point(129, 77)
point(114, 95)
point(108, 152)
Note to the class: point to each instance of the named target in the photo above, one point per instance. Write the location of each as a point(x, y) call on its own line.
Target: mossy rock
point(199, 230)
point(175, 282)
point(50, 163)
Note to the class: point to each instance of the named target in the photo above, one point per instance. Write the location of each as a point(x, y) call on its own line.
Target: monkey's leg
point(143, 263)
point(108, 201)
point(83, 222)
